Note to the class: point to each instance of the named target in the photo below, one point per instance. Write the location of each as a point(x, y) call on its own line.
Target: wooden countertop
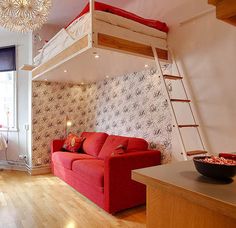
point(182, 178)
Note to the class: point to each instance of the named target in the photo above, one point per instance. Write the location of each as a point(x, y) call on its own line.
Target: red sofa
point(103, 175)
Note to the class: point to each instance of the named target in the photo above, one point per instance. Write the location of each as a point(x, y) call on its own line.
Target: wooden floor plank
point(46, 201)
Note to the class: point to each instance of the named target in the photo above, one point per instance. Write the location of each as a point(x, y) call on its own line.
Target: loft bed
point(122, 40)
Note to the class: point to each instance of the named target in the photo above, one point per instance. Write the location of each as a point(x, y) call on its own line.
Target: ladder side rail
point(169, 102)
point(187, 97)
point(92, 16)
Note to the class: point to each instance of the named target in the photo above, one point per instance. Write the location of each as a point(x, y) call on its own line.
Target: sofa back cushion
point(136, 144)
point(114, 143)
point(93, 142)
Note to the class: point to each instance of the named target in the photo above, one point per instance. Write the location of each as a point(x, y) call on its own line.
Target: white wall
point(18, 140)
point(206, 51)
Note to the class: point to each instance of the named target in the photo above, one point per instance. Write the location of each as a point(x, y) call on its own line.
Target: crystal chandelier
point(24, 15)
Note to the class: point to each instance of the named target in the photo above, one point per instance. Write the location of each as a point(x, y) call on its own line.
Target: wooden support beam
point(181, 100)
point(162, 54)
point(123, 45)
point(172, 77)
point(212, 2)
point(225, 9)
point(196, 152)
point(231, 20)
point(27, 67)
point(188, 125)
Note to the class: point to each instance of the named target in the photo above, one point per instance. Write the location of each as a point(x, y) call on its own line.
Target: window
point(7, 99)
point(7, 88)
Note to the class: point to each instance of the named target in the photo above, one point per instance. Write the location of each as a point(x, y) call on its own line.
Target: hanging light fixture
point(24, 15)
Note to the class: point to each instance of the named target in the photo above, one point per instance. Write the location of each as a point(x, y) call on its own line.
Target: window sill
point(9, 130)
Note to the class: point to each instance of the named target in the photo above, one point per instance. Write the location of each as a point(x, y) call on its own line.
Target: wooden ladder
point(186, 154)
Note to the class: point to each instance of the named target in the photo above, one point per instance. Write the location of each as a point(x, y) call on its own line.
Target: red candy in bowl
point(215, 167)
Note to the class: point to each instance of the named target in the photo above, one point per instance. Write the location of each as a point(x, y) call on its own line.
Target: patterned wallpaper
point(129, 105)
point(51, 104)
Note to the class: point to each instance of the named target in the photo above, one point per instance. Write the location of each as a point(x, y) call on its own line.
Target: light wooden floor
point(46, 201)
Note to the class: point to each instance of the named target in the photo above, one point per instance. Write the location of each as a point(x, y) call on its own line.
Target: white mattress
point(81, 26)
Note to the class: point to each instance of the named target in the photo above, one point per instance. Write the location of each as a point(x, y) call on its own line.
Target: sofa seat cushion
point(65, 159)
point(93, 142)
point(90, 171)
point(130, 144)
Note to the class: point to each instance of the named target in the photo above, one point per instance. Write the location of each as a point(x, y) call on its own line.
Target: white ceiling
point(170, 11)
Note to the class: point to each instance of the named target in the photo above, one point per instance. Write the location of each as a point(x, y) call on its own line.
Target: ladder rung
point(172, 77)
point(188, 125)
point(180, 100)
point(196, 152)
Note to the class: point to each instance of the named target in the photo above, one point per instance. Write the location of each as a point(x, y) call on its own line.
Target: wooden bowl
point(219, 171)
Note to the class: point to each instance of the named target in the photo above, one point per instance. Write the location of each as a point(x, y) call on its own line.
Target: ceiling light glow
point(96, 55)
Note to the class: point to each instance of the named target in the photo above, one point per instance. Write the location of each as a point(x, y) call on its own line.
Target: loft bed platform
point(123, 46)
point(84, 68)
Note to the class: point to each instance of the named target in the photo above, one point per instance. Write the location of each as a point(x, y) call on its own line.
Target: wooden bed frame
point(106, 36)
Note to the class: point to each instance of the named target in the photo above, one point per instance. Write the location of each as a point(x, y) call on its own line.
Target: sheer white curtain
point(7, 99)
point(7, 87)
point(3, 143)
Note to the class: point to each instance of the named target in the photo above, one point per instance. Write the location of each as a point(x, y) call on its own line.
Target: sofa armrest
point(120, 190)
point(56, 145)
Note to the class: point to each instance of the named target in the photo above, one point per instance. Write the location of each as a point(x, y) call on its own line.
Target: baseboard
point(19, 166)
point(38, 170)
point(12, 165)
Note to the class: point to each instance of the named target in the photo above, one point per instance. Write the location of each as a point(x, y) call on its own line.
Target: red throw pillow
point(73, 143)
